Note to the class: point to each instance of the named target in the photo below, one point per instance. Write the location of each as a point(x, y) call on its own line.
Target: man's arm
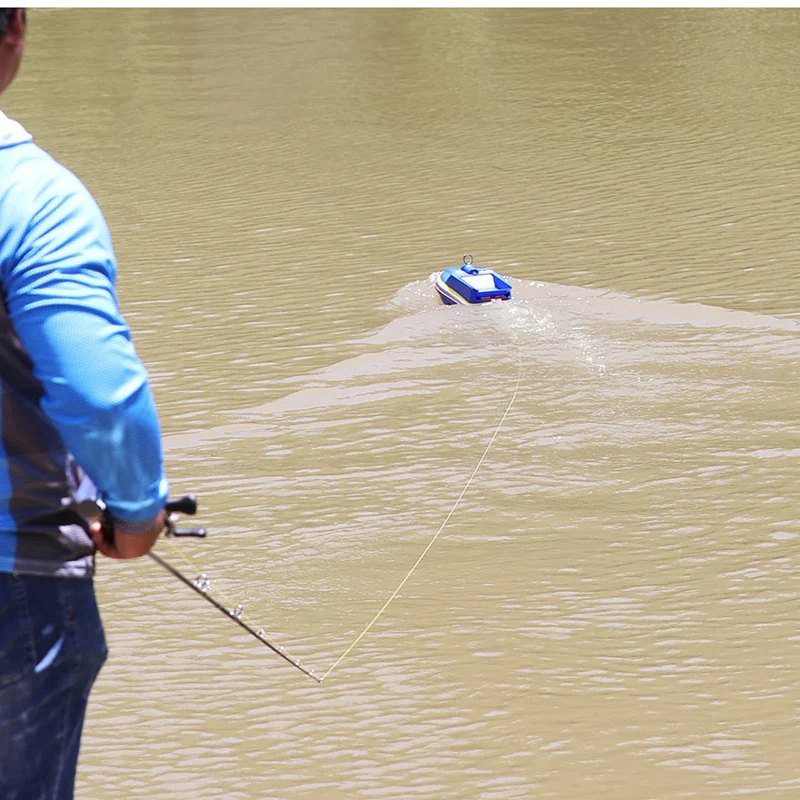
point(127, 545)
point(61, 300)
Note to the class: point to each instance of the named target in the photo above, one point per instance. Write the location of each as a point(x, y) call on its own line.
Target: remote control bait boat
point(470, 284)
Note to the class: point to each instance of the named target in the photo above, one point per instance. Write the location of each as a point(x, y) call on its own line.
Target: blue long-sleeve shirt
point(76, 409)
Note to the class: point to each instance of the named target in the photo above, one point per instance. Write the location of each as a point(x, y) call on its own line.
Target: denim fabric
point(52, 646)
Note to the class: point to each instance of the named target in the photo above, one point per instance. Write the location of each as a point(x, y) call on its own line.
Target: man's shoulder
point(34, 185)
point(28, 168)
point(47, 215)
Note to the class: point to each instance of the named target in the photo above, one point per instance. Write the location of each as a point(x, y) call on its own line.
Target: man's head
point(12, 38)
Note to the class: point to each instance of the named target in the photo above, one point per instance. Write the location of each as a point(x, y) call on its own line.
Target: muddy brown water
point(612, 609)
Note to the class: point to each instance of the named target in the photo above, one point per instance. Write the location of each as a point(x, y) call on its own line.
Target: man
point(77, 421)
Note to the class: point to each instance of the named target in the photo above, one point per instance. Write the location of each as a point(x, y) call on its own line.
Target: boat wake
point(563, 334)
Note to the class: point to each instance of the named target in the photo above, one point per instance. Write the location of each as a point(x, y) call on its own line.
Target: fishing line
point(441, 527)
point(202, 584)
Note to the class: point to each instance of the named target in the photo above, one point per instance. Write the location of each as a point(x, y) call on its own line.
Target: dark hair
point(5, 18)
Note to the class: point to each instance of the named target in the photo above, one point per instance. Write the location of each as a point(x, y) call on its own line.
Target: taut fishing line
point(441, 527)
point(202, 584)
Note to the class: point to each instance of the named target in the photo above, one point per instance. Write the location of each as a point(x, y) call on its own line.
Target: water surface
point(611, 610)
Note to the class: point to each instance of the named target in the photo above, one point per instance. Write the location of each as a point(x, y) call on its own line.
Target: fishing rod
point(96, 509)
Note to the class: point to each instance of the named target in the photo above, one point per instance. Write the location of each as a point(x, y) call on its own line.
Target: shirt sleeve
point(61, 300)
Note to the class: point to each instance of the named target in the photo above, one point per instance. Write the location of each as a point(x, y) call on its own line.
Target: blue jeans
point(52, 646)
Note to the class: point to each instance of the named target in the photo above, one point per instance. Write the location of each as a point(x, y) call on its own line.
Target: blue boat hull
point(468, 285)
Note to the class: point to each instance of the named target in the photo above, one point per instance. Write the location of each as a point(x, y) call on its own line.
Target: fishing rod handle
point(183, 505)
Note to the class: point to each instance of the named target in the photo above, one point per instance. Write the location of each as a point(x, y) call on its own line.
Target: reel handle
point(198, 533)
point(183, 505)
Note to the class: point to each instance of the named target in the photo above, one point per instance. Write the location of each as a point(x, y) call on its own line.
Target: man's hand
point(127, 545)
